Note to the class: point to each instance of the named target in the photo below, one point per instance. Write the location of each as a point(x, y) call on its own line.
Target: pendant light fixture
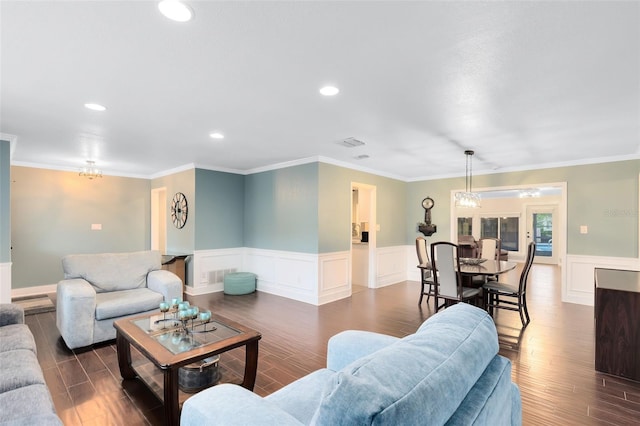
point(90, 171)
point(468, 199)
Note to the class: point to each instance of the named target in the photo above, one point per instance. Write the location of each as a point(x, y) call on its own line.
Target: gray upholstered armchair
point(98, 289)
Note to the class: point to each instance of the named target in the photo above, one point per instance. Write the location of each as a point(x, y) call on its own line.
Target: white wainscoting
point(391, 265)
point(311, 278)
point(579, 275)
point(334, 276)
point(287, 274)
point(209, 267)
point(5, 282)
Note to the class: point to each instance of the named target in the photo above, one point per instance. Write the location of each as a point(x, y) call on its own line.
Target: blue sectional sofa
point(447, 373)
point(24, 396)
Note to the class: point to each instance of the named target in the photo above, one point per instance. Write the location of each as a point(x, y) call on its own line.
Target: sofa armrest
point(232, 405)
point(350, 345)
point(11, 313)
point(166, 283)
point(76, 312)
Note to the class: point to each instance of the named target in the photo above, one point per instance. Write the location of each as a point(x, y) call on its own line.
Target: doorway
point(541, 227)
point(159, 219)
point(363, 236)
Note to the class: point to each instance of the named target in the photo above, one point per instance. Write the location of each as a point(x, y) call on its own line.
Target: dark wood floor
point(553, 359)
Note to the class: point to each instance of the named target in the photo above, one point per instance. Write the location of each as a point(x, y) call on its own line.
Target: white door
point(541, 227)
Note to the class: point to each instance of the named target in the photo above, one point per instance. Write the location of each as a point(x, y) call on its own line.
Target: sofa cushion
point(126, 302)
point(112, 271)
point(16, 336)
point(311, 386)
point(27, 406)
point(440, 363)
point(490, 399)
point(19, 368)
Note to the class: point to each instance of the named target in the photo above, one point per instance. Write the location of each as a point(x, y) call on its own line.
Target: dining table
point(487, 268)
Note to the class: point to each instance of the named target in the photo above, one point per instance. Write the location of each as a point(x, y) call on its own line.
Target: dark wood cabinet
point(176, 263)
point(617, 315)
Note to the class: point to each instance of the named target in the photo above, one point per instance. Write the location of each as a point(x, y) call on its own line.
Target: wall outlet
point(584, 229)
point(96, 227)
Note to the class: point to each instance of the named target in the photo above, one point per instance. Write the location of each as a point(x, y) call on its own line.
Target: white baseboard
point(213, 288)
point(34, 291)
point(580, 272)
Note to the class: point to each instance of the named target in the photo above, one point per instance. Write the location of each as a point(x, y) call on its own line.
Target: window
point(505, 228)
point(510, 233)
point(465, 225)
point(489, 227)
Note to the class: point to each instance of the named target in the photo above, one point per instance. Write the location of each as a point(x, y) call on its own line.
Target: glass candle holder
point(175, 301)
point(194, 312)
point(164, 307)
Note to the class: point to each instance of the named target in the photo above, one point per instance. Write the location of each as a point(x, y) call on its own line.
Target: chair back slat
point(421, 250)
point(444, 256)
point(423, 258)
point(531, 253)
point(490, 248)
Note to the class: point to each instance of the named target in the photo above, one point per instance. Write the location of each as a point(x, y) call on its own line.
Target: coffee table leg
point(171, 402)
point(124, 357)
point(250, 365)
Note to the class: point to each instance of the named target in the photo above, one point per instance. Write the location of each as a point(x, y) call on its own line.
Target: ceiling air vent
point(351, 142)
point(362, 157)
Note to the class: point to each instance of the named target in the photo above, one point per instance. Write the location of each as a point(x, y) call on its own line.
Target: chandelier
point(90, 171)
point(530, 193)
point(468, 199)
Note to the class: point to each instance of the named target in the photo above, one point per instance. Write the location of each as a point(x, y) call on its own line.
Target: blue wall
point(219, 206)
point(281, 209)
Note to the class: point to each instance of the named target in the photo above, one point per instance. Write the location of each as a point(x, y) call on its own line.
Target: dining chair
point(511, 297)
point(445, 261)
point(490, 249)
point(424, 264)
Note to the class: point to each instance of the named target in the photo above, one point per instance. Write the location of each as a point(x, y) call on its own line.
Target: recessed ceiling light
point(176, 10)
point(95, 107)
point(329, 91)
point(216, 135)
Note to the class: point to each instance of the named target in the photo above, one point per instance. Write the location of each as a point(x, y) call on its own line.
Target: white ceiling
point(524, 84)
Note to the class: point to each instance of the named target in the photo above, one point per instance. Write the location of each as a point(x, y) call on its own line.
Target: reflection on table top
point(490, 267)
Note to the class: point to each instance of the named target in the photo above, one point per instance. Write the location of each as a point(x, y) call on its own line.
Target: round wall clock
point(179, 210)
point(427, 203)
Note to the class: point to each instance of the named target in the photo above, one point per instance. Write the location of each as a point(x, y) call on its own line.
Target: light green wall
point(5, 221)
point(218, 215)
point(52, 213)
point(335, 208)
point(180, 240)
point(602, 196)
point(281, 209)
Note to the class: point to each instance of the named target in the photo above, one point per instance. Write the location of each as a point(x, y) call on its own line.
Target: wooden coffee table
point(169, 347)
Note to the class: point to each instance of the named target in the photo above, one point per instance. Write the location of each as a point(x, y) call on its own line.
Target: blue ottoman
point(236, 283)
